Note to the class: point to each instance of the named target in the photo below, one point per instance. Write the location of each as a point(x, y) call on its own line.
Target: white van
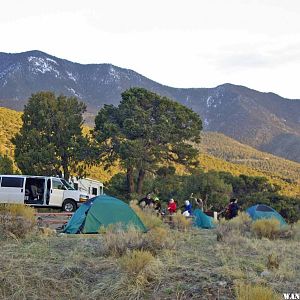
point(40, 191)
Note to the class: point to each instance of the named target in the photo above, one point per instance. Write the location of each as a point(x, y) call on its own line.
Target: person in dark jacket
point(146, 201)
point(233, 208)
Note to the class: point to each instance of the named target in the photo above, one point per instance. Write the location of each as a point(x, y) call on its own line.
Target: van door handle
point(21, 190)
point(51, 191)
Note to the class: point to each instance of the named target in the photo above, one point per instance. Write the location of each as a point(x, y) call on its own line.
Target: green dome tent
point(101, 211)
point(202, 220)
point(262, 211)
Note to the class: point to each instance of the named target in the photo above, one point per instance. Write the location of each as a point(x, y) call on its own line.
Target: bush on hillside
point(268, 228)
point(16, 220)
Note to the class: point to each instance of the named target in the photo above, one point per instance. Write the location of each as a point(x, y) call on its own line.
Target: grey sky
point(192, 43)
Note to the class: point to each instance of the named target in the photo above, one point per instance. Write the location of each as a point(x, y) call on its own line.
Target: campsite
point(111, 250)
point(150, 150)
point(164, 228)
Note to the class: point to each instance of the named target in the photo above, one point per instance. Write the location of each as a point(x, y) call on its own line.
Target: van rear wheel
point(69, 205)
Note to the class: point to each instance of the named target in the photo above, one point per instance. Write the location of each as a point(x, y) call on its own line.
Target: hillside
point(265, 121)
point(225, 148)
point(219, 153)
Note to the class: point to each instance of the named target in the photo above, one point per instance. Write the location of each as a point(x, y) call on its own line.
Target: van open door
point(56, 192)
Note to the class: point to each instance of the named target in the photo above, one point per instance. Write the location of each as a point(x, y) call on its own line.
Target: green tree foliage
point(6, 165)
point(215, 189)
point(50, 141)
point(144, 132)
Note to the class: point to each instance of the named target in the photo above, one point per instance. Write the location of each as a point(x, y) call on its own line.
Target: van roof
point(35, 176)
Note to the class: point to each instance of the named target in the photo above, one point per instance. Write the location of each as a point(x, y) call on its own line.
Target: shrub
point(16, 220)
point(140, 263)
point(148, 216)
point(116, 241)
point(273, 261)
point(159, 238)
point(139, 269)
point(181, 222)
point(234, 229)
point(242, 222)
point(268, 228)
point(255, 292)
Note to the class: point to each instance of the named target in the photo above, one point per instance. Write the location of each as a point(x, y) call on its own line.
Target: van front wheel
point(69, 205)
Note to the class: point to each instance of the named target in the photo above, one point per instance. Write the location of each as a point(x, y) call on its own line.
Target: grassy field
point(165, 263)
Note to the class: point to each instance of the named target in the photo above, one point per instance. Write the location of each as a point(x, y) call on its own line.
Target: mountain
point(265, 121)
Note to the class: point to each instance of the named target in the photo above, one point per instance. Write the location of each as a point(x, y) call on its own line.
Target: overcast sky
point(191, 43)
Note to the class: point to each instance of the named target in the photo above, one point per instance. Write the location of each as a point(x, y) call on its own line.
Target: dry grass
point(117, 242)
point(181, 222)
point(139, 263)
point(16, 220)
point(234, 230)
point(147, 215)
point(268, 228)
point(144, 266)
point(255, 292)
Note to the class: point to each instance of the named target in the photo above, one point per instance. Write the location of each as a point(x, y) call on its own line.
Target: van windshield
point(67, 185)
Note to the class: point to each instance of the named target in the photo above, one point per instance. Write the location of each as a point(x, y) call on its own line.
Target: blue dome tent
point(262, 211)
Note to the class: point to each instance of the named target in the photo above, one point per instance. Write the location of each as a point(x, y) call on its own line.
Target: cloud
point(258, 56)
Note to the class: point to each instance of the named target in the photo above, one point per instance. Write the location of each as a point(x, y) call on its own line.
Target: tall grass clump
point(116, 241)
point(181, 222)
point(255, 292)
point(231, 230)
point(147, 215)
point(268, 228)
point(136, 272)
point(139, 269)
point(16, 220)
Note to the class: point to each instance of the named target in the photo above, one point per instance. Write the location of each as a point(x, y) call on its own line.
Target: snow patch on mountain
point(73, 92)
point(71, 76)
point(52, 60)
point(8, 72)
point(113, 73)
point(209, 101)
point(43, 65)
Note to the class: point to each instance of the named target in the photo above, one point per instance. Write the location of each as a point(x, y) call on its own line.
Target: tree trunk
point(140, 181)
point(65, 168)
point(130, 181)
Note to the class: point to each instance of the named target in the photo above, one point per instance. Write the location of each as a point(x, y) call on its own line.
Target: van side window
point(14, 182)
point(94, 191)
point(57, 185)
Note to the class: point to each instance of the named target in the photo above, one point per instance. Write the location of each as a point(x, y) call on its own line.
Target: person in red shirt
point(172, 207)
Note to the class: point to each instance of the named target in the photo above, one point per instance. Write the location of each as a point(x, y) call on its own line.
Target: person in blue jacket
point(187, 208)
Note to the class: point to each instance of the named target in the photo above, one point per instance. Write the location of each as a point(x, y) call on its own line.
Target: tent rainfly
point(101, 211)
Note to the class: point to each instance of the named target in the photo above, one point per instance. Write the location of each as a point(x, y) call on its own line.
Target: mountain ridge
point(263, 120)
